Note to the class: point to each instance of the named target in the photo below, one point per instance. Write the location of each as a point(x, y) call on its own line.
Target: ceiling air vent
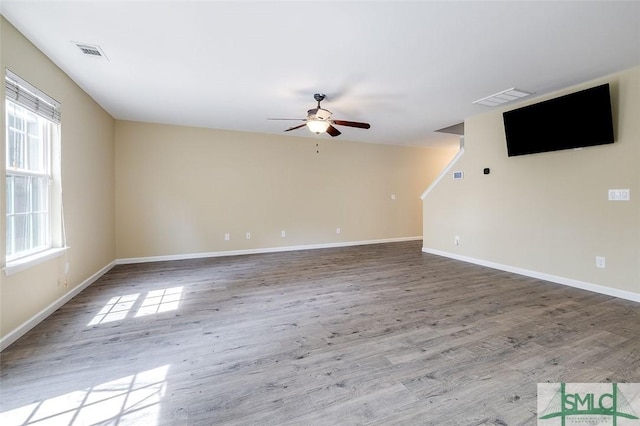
point(502, 97)
point(91, 50)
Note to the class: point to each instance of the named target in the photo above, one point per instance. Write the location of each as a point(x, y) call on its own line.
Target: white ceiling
point(408, 68)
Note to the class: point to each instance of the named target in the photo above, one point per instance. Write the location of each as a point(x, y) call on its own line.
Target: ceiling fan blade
point(351, 124)
point(295, 127)
point(333, 131)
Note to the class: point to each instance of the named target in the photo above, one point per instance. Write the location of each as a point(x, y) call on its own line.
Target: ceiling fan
point(319, 120)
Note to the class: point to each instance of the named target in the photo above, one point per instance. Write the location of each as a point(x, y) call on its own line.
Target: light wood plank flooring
point(380, 334)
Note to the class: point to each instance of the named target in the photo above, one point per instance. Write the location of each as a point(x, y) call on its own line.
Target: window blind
point(27, 96)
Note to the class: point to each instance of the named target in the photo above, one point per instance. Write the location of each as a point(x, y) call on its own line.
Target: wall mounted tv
point(572, 121)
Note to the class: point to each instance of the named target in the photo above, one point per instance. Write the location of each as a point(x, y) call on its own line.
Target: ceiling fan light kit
point(318, 126)
point(319, 120)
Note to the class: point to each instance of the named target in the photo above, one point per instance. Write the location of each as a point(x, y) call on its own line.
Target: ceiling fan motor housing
point(318, 114)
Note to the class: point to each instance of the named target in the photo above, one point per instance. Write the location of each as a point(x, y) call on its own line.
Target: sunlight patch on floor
point(133, 399)
point(155, 302)
point(158, 301)
point(116, 309)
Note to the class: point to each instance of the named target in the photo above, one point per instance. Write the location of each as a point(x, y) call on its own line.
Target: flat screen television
point(576, 120)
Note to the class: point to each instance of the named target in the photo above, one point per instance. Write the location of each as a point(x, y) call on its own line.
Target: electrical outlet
point(248, 235)
point(393, 196)
point(456, 240)
point(227, 237)
point(337, 230)
point(283, 234)
point(600, 262)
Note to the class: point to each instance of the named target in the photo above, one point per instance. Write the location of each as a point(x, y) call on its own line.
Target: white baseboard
point(130, 260)
point(596, 288)
point(40, 316)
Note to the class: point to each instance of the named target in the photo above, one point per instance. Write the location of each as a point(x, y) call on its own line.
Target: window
point(32, 129)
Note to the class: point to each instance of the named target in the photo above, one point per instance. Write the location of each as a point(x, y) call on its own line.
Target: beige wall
point(88, 186)
point(180, 189)
point(139, 190)
point(546, 212)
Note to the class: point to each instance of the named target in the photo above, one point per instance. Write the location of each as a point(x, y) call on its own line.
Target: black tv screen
point(572, 121)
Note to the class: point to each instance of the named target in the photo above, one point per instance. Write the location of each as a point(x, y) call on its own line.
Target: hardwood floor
point(380, 334)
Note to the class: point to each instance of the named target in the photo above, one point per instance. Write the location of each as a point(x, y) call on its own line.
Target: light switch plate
point(619, 194)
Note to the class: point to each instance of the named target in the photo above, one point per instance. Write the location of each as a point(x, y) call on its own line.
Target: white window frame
point(34, 218)
point(24, 102)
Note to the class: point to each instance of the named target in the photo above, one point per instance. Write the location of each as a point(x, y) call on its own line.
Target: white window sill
point(18, 265)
